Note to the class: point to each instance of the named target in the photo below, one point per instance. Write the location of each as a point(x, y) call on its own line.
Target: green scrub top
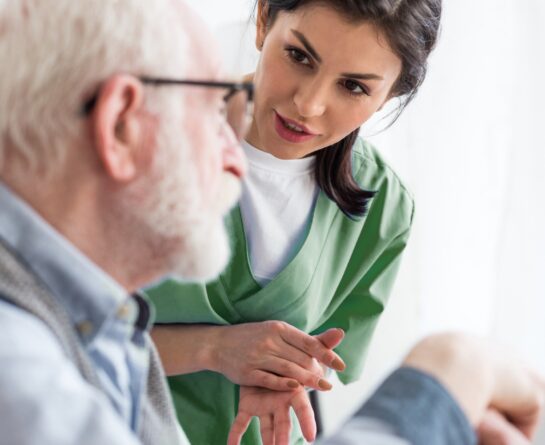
point(341, 277)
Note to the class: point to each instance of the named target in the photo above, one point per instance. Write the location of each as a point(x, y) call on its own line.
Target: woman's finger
point(331, 338)
point(265, 379)
point(295, 355)
point(305, 414)
point(289, 369)
point(312, 346)
point(266, 426)
point(239, 427)
point(282, 428)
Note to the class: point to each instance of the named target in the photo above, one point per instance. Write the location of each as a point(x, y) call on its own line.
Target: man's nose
point(233, 158)
point(310, 99)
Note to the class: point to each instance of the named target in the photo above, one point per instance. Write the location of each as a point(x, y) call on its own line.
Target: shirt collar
point(88, 294)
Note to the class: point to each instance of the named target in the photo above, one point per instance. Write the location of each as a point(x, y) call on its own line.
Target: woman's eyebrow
point(369, 76)
point(307, 45)
point(304, 41)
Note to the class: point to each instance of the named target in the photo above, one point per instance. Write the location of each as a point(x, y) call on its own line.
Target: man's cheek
point(206, 149)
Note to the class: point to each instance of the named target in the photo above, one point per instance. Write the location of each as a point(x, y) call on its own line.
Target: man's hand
point(274, 355)
point(500, 397)
point(273, 410)
point(495, 429)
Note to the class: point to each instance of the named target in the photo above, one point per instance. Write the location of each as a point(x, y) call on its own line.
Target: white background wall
point(472, 149)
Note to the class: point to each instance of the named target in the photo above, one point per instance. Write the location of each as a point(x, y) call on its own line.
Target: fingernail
point(324, 384)
point(340, 330)
point(293, 384)
point(338, 364)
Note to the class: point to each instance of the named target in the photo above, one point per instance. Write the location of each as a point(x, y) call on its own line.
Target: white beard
point(205, 250)
point(186, 233)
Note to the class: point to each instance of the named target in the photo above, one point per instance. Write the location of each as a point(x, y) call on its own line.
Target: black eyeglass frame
point(233, 88)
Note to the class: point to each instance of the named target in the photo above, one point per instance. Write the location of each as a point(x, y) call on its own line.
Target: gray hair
point(55, 53)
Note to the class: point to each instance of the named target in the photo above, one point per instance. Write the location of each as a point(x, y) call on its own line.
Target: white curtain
point(472, 149)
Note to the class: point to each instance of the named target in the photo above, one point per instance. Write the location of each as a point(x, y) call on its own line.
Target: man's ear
point(116, 126)
point(262, 20)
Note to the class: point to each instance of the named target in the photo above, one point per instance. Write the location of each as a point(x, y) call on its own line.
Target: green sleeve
point(359, 312)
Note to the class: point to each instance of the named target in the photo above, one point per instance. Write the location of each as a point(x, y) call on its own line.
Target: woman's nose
point(310, 100)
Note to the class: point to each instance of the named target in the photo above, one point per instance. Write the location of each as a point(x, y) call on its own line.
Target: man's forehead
point(203, 51)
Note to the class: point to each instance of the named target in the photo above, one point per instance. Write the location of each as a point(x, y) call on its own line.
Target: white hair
point(55, 53)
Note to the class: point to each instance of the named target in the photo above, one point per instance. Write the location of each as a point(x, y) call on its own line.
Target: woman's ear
point(117, 126)
point(261, 23)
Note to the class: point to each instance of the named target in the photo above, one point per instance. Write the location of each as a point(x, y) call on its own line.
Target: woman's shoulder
point(371, 167)
point(372, 172)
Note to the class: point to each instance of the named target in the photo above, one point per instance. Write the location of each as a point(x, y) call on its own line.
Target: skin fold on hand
point(495, 429)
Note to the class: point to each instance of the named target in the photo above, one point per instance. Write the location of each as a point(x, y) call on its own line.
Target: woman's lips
point(288, 134)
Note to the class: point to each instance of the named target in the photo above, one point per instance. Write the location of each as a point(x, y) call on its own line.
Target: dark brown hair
point(411, 28)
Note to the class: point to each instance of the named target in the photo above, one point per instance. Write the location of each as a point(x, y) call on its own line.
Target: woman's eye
point(355, 88)
point(298, 56)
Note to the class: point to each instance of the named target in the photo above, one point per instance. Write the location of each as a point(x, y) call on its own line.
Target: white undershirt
point(277, 203)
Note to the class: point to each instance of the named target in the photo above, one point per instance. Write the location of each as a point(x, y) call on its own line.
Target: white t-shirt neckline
point(277, 204)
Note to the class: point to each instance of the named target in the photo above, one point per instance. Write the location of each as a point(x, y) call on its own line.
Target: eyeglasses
point(238, 100)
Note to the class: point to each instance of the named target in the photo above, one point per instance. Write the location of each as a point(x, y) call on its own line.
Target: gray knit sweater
point(22, 288)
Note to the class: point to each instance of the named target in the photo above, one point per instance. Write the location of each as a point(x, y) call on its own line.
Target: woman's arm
point(269, 354)
point(185, 348)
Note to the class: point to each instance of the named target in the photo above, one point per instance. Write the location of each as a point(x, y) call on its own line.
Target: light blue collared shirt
point(43, 397)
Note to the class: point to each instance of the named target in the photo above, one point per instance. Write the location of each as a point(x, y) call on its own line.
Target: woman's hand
point(273, 410)
point(275, 355)
point(269, 354)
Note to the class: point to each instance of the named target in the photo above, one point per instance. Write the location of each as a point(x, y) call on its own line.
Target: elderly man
point(118, 160)
point(109, 180)
point(116, 166)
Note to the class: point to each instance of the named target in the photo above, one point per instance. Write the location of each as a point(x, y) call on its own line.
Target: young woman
point(320, 229)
